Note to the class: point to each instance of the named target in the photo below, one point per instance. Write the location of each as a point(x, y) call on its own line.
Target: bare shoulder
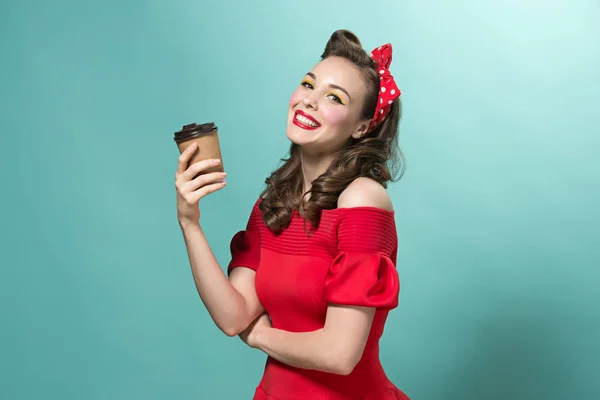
point(365, 192)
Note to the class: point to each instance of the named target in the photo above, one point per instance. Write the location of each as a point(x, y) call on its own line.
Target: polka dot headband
point(388, 91)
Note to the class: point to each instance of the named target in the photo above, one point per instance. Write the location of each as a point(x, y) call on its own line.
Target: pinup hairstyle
point(376, 155)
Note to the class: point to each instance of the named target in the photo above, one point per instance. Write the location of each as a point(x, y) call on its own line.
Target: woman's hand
point(252, 332)
point(190, 191)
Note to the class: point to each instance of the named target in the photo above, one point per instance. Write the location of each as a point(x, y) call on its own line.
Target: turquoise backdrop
point(497, 212)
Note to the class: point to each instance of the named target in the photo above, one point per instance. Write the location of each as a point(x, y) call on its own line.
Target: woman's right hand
point(190, 191)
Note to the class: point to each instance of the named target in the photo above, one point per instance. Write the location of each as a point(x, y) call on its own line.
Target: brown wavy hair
point(376, 155)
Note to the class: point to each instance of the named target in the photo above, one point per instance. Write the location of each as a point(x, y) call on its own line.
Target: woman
point(317, 258)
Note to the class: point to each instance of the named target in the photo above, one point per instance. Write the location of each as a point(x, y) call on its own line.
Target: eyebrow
point(331, 85)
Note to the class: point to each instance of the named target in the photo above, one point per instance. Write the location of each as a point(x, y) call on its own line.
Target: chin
point(300, 136)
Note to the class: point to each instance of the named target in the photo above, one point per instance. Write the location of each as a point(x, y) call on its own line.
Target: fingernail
point(216, 161)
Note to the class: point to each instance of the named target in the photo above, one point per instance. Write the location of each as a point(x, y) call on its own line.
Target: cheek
point(296, 97)
point(335, 116)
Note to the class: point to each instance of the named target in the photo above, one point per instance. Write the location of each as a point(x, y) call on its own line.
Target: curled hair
point(377, 155)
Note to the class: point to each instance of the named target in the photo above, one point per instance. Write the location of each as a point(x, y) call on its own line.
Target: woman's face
point(325, 110)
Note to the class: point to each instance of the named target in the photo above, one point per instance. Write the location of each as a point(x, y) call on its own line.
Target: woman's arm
point(232, 303)
point(336, 348)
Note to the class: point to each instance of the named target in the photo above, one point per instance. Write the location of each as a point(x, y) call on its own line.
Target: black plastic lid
point(194, 130)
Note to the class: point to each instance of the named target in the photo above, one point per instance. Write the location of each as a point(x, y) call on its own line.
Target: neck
point(313, 166)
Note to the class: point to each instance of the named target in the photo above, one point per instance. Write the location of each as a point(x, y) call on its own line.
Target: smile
point(305, 121)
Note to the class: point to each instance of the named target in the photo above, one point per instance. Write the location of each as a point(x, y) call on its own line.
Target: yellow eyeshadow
point(338, 96)
point(310, 82)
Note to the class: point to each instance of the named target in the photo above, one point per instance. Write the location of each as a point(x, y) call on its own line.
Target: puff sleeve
point(363, 273)
point(245, 245)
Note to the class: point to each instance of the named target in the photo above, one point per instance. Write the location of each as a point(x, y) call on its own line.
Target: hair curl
point(377, 155)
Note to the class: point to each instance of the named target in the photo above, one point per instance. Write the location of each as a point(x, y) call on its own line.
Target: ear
point(362, 128)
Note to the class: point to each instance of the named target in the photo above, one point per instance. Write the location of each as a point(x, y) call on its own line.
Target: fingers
point(205, 179)
point(194, 197)
point(197, 168)
point(192, 191)
point(191, 183)
point(184, 158)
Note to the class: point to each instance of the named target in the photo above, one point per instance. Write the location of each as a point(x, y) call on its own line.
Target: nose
point(310, 101)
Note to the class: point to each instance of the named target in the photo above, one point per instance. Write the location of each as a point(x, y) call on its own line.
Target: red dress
point(350, 259)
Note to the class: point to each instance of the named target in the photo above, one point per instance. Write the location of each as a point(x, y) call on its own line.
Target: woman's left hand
point(250, 334)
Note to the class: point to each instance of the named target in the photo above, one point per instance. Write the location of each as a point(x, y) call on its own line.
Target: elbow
point(343, 368)
point(344, 364)
point(233, 325)
point(230, 331)
point(233, 329)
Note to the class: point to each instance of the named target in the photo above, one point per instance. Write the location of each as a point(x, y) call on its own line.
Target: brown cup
point(206, 136)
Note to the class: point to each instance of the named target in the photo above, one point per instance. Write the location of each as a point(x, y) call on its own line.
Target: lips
point(305, 121)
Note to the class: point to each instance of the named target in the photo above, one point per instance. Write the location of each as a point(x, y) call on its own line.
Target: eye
point(335, 98)
point(307, 84)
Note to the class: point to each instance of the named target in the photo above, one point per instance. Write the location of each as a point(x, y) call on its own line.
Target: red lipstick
point(305, 121)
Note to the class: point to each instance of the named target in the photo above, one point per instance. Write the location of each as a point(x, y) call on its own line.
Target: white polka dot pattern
point(388, 90)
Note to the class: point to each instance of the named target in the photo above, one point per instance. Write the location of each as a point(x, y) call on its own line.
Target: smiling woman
point(346, 109)
point(315, 297)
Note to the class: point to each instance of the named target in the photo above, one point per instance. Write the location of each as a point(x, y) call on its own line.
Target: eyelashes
point(335, 98)
point(309, 85)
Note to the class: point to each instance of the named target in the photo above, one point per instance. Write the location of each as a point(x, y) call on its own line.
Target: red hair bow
point(388, 91)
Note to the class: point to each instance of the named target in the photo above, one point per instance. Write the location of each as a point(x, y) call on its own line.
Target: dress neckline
point(360, 208)
point(350, 210)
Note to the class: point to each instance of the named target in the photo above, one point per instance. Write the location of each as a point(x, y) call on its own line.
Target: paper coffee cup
point(206, 136)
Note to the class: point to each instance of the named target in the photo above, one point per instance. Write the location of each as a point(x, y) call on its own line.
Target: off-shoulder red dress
point(350, 259)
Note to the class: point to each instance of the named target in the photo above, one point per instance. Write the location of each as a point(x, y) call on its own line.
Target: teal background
point(497, 212)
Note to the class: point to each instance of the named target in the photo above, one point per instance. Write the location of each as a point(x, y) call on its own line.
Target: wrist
point(186, 223)
point(260, 335)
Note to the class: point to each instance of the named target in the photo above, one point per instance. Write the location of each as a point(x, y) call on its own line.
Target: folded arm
point(335, 348)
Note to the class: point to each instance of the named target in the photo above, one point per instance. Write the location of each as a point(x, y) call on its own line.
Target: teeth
point(305, 120)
